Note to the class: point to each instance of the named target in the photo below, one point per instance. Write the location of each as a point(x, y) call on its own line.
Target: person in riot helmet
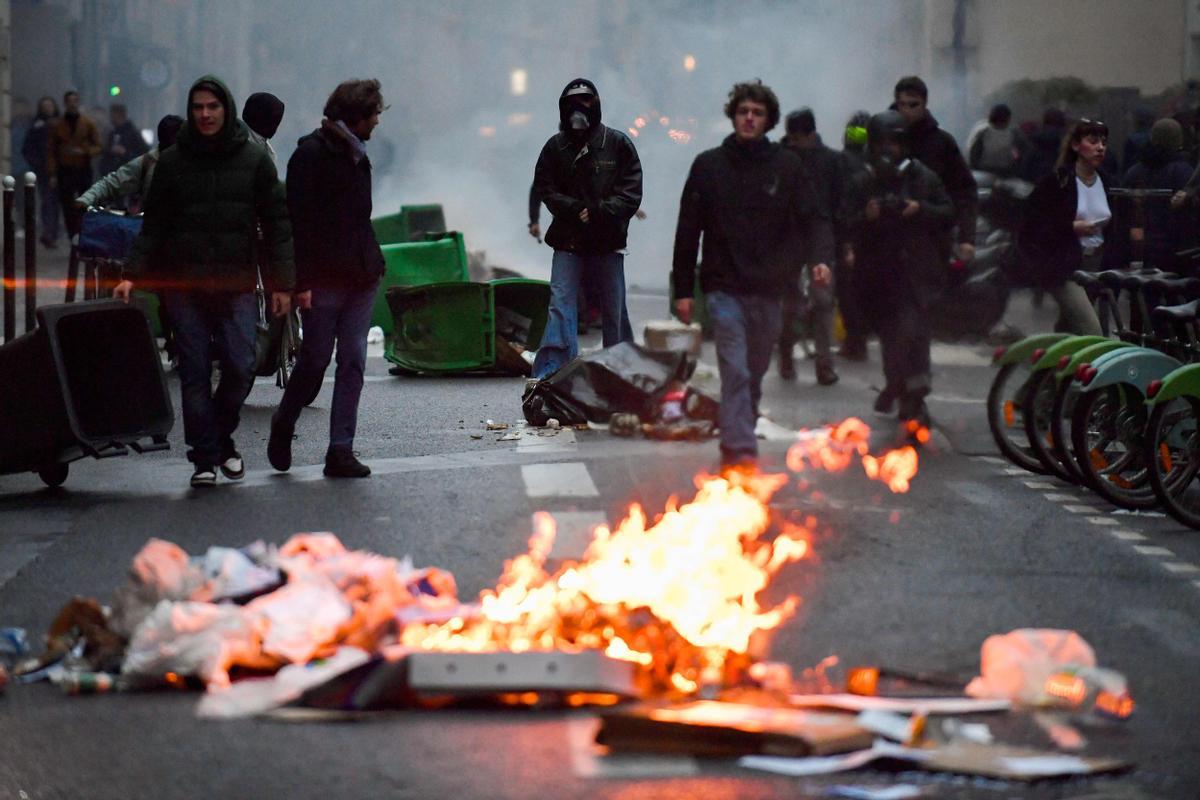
point(590, 178)
point(898, 219)
point(758, 215)
point(824, 169)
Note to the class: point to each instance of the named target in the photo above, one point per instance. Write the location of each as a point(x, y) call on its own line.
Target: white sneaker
point(204, 477)
point(233, 467)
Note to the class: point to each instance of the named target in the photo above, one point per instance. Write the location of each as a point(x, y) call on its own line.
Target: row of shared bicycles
point(1118, 413)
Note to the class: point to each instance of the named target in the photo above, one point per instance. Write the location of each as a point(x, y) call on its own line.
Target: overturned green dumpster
point(434, 319)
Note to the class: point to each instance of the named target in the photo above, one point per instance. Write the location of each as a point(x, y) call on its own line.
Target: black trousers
point(905, 340)
point(72, 182)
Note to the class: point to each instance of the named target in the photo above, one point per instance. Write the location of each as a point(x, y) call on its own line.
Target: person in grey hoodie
point(132, 178)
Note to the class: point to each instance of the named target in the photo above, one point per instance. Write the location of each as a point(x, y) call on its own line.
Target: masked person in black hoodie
point(898, 219)
point(590, 178)
point(197, 244)
point(757, 212)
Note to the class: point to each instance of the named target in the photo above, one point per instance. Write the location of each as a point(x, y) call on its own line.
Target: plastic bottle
point(86, 682)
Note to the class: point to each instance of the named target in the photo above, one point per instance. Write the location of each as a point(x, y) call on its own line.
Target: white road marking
point(1079, 509)
point(1128, 536)
point(1016, 471)
point(1102, 520)
point(950, 398)
point(1060, 498)
point(1153, 550)
point(991, 460)
point(1180, 567)
point(1040, 485)
point(573, 532)
point(569, 479)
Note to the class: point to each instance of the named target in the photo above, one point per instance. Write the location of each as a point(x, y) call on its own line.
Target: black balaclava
point(575, 118)
point(168, 130)
point(888, 126)
point(263, 112)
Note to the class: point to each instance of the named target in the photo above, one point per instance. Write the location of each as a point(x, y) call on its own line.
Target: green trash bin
point(441, 260)
point(464, 327)
point(412, 223)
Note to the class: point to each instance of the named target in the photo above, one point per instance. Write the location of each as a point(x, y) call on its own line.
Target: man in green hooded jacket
point(197, 248)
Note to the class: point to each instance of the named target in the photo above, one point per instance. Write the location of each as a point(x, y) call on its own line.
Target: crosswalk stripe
point(568, 479)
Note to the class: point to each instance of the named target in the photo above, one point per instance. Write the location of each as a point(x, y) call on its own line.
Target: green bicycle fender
point(1068, 346)
point(1134, 366)
point(1022, 350)
point(1089, 354)
point(1182, 382)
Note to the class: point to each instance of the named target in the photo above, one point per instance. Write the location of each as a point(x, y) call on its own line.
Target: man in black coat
point(590, 178)
point(124, 141)
point(823, 167)
point(937, 150)
point(898, 217)
point(338, 267)
point(758, 215)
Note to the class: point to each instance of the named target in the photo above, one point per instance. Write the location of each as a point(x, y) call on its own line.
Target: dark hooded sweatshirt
point(760, 217)
point(936, 149)
point(201, 213)
point(601, 173)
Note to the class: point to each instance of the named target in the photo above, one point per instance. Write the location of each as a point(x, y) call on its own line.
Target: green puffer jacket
point(207, 199)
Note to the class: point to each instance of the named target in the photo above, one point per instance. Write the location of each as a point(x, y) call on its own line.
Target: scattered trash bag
point(624, 378)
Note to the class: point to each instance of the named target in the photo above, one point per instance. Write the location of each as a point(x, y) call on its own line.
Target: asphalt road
point(913, 581)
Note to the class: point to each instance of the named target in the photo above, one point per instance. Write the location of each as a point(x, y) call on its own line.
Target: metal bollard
point(10, 262)
point(30, 251)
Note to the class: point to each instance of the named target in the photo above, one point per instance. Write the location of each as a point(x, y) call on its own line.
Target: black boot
point(886, 399)
point(826, 376)
point(787, 367)
point(279, 445)
point(341, 463)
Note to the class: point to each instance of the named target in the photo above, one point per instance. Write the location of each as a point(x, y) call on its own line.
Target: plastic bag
point(1016, 665)
point(624, 378)
point(195, 639)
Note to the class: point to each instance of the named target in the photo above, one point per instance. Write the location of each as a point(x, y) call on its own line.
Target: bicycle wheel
point(1005, 417)
point(1107, 432)
point(1173, 455)
point(1037, 410)
point(289, 348)
point(1065, 397)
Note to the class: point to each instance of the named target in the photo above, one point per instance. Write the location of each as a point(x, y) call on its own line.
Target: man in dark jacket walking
point(124, 141)
point(824, 170)
point(338, 266)
point(36, 150)
point(758, 215)
point(937, 150)
point(590, 178)
point(898, 218)
point(197, 246)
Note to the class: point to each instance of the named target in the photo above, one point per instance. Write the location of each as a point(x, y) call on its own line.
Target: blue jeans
point(201, 321)
point(605, 277)
point(746, 328)
point(344, 315)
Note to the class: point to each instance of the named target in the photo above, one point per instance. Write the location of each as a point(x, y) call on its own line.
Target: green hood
point(232, 134)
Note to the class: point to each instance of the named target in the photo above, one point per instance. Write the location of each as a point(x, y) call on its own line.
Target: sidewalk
point(51, 276)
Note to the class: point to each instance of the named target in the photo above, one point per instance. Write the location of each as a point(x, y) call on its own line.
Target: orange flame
point(677, 597)
point(835, 447)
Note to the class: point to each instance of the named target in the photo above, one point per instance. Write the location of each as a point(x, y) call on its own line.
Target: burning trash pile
point(662, 610)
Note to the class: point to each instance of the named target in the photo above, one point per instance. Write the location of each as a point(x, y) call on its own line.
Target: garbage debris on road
point(626, 382)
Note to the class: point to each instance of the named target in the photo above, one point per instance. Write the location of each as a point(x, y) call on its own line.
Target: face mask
point(578, 121)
